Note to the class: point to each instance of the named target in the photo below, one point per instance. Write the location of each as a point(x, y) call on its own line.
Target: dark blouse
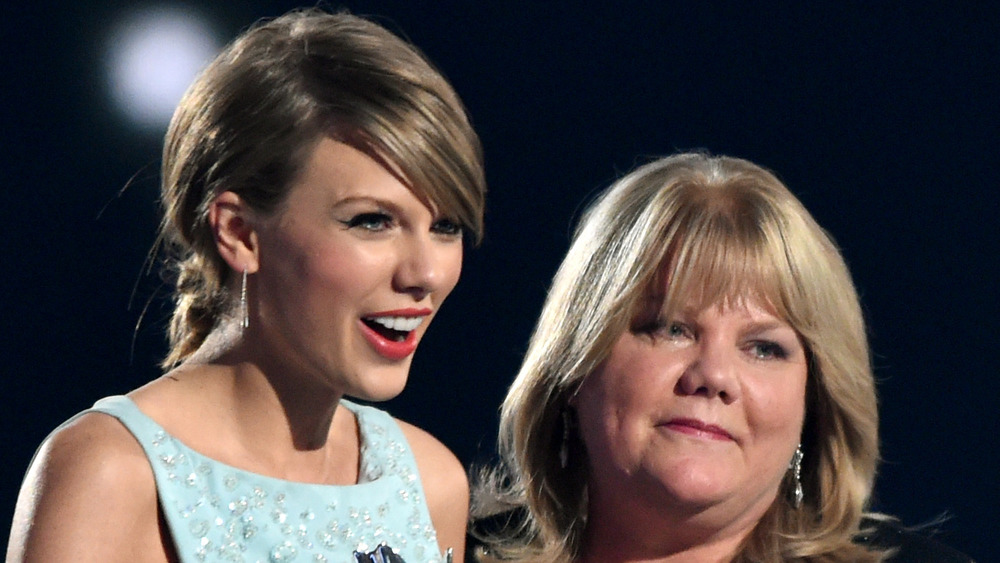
point(911, 546)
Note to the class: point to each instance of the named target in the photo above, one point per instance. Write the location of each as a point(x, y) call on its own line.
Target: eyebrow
point(363, 199)
point(764, 326)
point(385, 205)
point(379, 204)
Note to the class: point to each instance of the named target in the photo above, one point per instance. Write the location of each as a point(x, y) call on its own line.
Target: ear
point(231, 220)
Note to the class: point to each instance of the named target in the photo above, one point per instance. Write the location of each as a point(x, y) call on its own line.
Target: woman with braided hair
point(320, 181)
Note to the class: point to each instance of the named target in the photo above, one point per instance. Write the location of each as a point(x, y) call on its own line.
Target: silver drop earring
point(796, 467)
point(244, 315)
point(564, 446)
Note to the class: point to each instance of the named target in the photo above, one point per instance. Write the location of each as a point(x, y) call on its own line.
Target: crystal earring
point(564, 446)
point(244, 316)
point(796, 467)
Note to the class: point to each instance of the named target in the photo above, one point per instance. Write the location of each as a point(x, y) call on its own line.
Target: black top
point(911, 546)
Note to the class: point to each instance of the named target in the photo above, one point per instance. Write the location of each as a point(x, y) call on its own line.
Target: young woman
point(320, 180)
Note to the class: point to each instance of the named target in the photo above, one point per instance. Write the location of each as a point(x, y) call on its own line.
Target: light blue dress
point(216, 512)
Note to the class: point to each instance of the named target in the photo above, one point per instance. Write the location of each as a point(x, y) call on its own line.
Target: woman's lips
point(392, 334)
point(697, 428)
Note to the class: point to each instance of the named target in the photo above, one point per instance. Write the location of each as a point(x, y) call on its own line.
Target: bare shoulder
point(93, 454)
point(89, 495)
point(446, 486)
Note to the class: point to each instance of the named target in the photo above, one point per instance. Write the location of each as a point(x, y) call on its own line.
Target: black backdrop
point(882, 118)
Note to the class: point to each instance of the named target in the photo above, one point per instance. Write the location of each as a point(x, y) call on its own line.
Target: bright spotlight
point(154, 55)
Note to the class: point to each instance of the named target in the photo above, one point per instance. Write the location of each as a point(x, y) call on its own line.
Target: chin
point(384, 389)
point(698, 498)
point(696, 488)
point(378, 396)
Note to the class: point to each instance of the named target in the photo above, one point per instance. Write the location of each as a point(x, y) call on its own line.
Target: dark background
point(882, 118)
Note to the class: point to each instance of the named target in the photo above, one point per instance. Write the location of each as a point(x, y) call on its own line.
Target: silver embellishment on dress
point(249, 528)
point(284, 552)
point(239, 506)
point(199, 528)
point(233, 516)
point(381, 554)
point(278, 516)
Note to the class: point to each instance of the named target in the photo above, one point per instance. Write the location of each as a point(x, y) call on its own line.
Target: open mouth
point(395, 329)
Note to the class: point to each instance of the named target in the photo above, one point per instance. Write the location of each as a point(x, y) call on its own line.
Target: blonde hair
point(718, 228)
point(250, 121)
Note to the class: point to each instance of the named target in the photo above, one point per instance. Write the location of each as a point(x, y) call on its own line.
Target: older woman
point(698, 387)
point(318, 181)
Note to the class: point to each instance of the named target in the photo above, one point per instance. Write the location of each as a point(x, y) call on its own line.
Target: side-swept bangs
point(382, 96)
point(729, 244)
point(715, 230)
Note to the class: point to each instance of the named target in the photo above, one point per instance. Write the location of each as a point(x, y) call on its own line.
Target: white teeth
point(402, 324)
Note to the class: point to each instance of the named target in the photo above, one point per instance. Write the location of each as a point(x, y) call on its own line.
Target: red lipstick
point(408, 312)
point(390, 349)
point(392, 334)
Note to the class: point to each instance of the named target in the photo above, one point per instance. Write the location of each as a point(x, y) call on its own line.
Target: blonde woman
point(698, 387)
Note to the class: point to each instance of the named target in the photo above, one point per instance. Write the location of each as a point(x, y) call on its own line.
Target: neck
point(617, 547)
point(291, 424)
point(305, 412)
point(662, 535)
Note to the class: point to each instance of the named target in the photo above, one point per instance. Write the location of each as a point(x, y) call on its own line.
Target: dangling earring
point(564, 446)
point(796, 467)
point(244, 316)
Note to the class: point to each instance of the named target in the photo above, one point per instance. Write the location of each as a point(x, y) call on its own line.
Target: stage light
point(154, 54)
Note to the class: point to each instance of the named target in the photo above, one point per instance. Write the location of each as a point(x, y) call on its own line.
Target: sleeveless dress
point(216, 512)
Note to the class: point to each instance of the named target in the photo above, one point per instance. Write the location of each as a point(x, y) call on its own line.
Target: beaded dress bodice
point(216, 512)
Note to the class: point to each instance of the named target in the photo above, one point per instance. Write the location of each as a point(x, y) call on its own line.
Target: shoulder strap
point(146, 431)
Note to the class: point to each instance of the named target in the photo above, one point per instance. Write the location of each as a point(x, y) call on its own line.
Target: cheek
point(612, 406)
point(776, 404)
point(597, 426)
point(318, 277)
point(452, 269)
point(633, 381)
point(343, 265)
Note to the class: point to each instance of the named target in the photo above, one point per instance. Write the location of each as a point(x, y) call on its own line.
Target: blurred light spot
point(154, 55)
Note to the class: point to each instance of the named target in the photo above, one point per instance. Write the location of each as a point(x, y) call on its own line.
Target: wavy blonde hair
point(719, 228)
point(250, 121)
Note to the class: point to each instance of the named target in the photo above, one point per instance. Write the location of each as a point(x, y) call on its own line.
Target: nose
point(424, 267)
point(712, 373)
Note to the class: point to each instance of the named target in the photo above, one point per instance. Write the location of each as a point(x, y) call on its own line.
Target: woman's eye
point(369, 221)
point(447, 227)
point(665, 329)
point(768, 351)
point(675, 331)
